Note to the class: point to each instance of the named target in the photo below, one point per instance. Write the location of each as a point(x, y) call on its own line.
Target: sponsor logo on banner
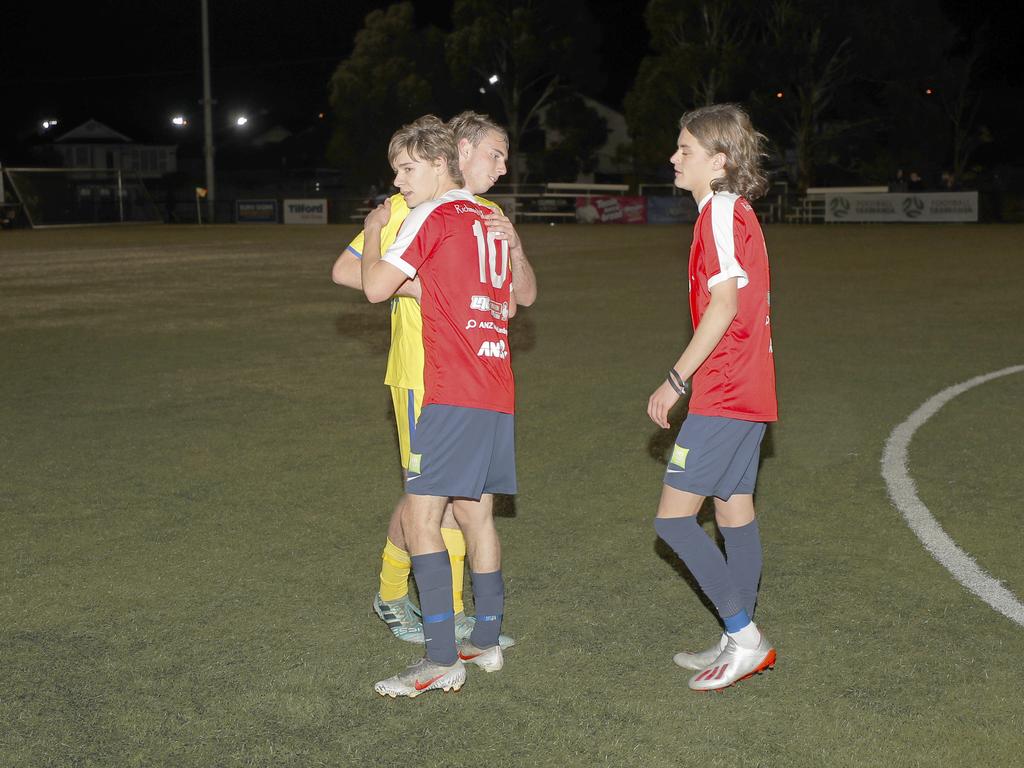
point(312, 211)
point(256, 211)
point(913, 207)
point(839, 207)
point(901, 207)
point(611, 210)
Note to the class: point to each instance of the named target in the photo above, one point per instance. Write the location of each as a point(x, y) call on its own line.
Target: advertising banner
point(671, 210)
point(902, 207)
point(256, 211)
point(308, 211)
point(611, 210)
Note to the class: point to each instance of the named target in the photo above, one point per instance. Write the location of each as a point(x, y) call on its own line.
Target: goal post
point(76, 197)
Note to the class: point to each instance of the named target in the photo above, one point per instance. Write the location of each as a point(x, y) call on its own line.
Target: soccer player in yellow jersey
point(483, 152)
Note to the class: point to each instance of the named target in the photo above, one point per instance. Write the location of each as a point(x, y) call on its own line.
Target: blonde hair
point(726, 128)
point(474, 126)
point(427, 138)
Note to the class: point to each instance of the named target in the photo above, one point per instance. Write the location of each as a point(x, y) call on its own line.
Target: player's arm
point(712, 327)
point(525, 280)
point(380, 280)
point(346, 270)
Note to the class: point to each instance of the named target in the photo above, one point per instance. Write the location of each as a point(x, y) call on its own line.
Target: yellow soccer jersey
point(405, 358)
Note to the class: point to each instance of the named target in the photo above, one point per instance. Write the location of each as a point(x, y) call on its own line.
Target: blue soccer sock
point(704, 559)
point(433, 574)
point(489, 598)
point(744, 559)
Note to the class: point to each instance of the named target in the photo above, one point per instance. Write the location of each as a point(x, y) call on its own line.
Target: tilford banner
point(312, 211)
point(902, 207)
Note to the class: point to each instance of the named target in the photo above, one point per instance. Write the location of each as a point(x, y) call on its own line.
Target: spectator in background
point(915, 183)
point(899, 184)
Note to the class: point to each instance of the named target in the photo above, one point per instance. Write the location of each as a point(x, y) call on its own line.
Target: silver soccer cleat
point(733, 664)
point(421, 677)
point(489, 660)
point(700, 659)
point(464, 628)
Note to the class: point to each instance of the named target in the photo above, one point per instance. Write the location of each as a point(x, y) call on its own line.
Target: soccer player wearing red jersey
point(732, 366)
point(483, 151)
point(463, 447)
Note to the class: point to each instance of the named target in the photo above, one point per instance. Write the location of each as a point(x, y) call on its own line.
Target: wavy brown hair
point(726, 128)
point(427, 138)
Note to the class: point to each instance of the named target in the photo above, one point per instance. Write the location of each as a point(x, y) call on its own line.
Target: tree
point(807, 53)
point(391, 78)
point(698, 58)
point(576, 132)
point(534, 47)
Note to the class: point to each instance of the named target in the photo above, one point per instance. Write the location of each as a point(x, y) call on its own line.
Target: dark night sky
point(134, 64)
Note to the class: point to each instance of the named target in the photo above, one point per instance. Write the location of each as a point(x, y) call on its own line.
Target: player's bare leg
point(676, 503)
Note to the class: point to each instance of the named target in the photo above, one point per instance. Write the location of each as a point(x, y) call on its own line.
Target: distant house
point(95, 145)
point(610, 158)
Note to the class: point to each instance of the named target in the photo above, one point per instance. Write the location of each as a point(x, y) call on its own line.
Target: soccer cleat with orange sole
point(733, 664)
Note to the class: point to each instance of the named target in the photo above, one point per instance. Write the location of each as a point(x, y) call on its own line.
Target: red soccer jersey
point(464, 272)
point(738, 378)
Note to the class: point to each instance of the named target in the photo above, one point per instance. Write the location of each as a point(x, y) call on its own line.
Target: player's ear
point(465, 148)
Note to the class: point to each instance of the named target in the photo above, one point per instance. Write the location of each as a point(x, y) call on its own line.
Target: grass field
point(197, 462)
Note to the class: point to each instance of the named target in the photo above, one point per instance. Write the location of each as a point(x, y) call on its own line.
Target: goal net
point(69, 197)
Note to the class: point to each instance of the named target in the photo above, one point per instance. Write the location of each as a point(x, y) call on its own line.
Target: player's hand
point(379, 216)
point(660, 403)
point(500, 223)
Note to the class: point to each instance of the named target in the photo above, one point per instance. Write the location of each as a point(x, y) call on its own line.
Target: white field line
point(903, 493)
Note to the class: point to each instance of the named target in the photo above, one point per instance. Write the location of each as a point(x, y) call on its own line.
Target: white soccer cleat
point(701, 659)
point(733, 664)
point(421, 677)
point(489, 660)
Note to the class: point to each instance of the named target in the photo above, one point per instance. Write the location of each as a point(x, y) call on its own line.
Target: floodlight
point(241, 120)
point(180, 120)
point(493, 79)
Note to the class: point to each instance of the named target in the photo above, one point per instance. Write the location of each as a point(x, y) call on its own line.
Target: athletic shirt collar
point(702, 203)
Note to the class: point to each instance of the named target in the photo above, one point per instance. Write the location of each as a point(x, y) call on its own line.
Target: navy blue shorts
point(462, 452)
point(715, 456)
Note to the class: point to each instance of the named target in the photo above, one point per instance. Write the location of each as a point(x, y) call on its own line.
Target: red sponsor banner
point(611, 210)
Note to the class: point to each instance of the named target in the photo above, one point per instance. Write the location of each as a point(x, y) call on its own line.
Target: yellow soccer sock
point(455, 543)
point(394, 572)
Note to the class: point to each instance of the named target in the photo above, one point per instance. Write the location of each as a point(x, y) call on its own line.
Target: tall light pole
point(207, 113)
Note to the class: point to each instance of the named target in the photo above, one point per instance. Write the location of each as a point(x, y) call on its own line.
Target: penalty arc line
point(903, 492)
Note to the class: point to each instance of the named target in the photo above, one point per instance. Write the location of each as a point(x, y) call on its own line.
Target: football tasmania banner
point(606, 210)
point(902, 207)
point(311, 211)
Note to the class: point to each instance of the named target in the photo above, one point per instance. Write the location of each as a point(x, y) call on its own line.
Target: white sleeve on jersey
point(407, 234)
point(723, 206)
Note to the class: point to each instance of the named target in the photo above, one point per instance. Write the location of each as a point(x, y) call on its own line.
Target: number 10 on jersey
point(489, 245)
